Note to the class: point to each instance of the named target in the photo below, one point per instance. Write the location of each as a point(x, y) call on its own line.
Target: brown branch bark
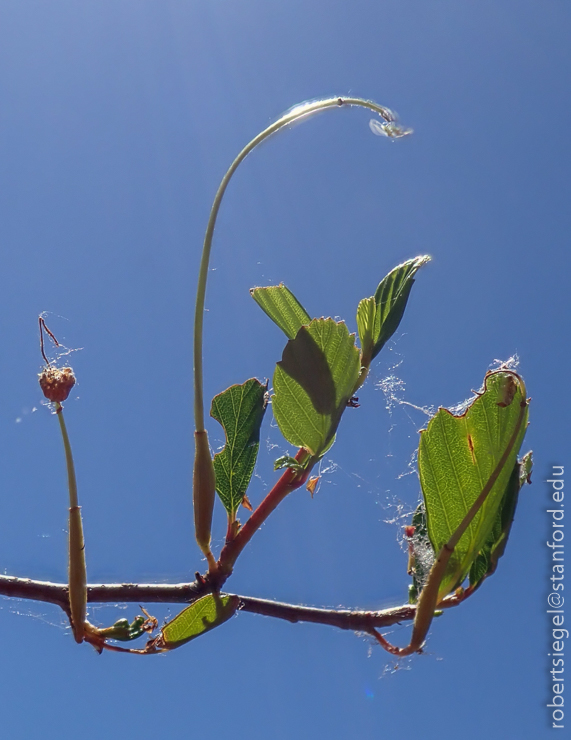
point(345, 619)
point(184, 593)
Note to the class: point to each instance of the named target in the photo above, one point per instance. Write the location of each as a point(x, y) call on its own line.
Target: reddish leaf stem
point(289, 481)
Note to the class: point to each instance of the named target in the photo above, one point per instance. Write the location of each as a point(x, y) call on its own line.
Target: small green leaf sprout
point(125, 631)
point(286, 461)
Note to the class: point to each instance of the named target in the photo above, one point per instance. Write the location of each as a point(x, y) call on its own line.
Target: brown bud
point(508, 390)
point(56, 383)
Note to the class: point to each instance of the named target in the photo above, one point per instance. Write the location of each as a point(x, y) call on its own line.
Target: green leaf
point(282, 307)
point(285, 461)
point(200, 617)
point(313, 382)
point(378, 317)
point(487, 560)
point(457, 456)
point(366, 313)
point(240, 410)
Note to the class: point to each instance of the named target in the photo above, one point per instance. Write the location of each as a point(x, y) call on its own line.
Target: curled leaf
point(379, 316)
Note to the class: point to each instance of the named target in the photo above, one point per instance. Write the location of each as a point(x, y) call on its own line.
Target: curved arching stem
point(391, 128)
point(203, 481)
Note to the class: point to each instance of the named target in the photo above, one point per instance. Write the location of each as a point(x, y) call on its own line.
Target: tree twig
point(289, 481)
point(182, 593)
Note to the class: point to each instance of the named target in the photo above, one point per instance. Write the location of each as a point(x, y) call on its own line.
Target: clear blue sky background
point(117, 121)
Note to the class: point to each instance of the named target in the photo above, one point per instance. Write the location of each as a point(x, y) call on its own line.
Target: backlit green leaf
point(487, 559)
point(457, 456)
point(378, 317)
point(285, 461)
point(313, 382)
point(366, 313)
point(200, 617)
point(240, 409)
point(282, 307)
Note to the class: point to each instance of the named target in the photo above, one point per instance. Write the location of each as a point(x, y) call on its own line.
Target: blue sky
point(117, 121)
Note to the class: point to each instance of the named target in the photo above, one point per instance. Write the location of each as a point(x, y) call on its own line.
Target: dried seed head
point(56, 383)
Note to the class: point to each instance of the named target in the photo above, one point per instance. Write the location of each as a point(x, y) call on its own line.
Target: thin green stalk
point(77, 573)
point(203, 467)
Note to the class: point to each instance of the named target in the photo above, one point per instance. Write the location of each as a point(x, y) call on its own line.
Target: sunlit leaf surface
point(487, 560)
point(457, 456)
point(200, 617)
point(282, 307)
point(378, 317)
point(313, 382)
point(240, 409)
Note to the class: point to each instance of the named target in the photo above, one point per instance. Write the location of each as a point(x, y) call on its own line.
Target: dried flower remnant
point(312, 484)
point(56, 383)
